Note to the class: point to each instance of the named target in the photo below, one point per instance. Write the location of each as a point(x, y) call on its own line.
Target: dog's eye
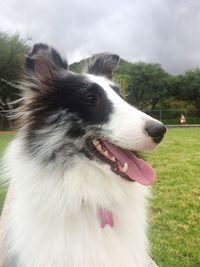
point(89, 99)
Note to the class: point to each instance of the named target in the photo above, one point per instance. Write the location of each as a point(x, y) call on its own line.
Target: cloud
point(163, 31)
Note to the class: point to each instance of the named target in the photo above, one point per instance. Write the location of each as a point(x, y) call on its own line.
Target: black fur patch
point(85, 99)
point(76, 95)
point(103, 65)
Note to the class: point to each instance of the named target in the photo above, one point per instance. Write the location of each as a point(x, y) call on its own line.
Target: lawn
point(175, 222)
point(175, 216)
point(4, 140)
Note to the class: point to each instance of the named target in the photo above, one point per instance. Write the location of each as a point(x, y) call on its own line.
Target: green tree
point(123, 81)
point(12, 51)
point(146, 84)
point(191, 87)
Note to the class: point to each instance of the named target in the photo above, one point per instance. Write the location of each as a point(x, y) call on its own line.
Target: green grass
point(4, 140)
point(175, 219)
point(175, 222)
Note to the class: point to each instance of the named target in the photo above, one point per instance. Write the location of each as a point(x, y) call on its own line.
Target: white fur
point(127, 124)
point(54, 220)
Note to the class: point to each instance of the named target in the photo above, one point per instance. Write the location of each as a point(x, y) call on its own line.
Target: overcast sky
point(162, 31)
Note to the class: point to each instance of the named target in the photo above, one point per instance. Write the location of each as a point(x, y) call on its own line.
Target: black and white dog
point(80, 188)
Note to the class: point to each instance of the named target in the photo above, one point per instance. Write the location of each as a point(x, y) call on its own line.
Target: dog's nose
point(156, 130)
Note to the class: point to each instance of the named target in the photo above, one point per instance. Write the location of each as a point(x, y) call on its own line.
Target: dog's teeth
point(113, 159)
point(125, 168)
point(99, 148)
point(95, 142)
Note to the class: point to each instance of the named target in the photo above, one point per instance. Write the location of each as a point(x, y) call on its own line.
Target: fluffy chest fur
point(55, 217)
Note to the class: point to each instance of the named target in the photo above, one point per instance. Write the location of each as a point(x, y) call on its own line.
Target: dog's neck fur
point(71, 223)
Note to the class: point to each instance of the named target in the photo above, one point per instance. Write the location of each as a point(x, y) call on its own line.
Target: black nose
point(156, 130)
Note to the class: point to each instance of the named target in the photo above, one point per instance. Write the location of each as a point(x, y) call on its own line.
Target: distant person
point(182, 119)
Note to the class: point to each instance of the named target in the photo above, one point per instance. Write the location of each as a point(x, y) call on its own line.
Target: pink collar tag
point(106, 218)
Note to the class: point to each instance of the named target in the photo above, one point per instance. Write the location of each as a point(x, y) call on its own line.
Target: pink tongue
point(138, 169)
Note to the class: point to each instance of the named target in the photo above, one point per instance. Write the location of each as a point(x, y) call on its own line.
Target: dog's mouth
point(123, 162)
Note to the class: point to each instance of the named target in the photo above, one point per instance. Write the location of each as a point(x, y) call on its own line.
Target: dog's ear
point(103, 64)
point(44, 63)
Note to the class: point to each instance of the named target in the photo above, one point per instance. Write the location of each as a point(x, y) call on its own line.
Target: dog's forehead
point(107, 85)
point(103, 82)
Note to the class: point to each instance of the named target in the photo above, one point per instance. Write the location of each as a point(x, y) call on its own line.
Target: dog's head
point(66, 115)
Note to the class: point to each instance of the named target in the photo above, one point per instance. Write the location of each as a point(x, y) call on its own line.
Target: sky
point(155, 31)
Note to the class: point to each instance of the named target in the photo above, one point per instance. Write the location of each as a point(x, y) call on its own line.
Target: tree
point(12, 51)
point(191, 87)
point(146, 85)
point(123, 81)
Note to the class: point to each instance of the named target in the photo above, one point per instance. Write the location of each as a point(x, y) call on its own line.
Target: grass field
point(4, 140)
point(175, 217)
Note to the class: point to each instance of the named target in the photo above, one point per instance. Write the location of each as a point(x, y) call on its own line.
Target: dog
point(81, 190)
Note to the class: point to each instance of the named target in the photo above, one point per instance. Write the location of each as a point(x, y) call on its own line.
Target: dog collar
point(106, 218)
